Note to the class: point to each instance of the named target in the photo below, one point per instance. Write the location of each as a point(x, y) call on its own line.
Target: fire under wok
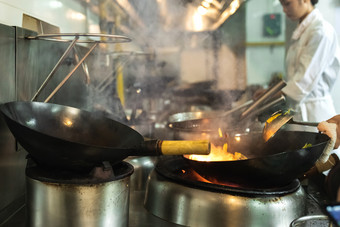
point(62, 137)
point(276, 163)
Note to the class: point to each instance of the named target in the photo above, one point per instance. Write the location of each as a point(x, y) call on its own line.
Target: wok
point(275, 163)
point(58, 136)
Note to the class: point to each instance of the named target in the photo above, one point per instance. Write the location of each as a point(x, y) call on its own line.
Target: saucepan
point(278, 162)
point(58, 136)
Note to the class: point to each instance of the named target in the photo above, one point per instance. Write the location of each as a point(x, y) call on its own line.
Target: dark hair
point(314, 2)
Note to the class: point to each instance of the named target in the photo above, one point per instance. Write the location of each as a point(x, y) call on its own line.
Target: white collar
point(305, 23)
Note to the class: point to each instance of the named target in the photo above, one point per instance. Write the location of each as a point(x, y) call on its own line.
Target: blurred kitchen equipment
point(277, 162)
point(204, 95)
point(270, 92)
point(174, 185)
point(278, 120)
point(70, 138)
point(207, 121)
point(180, 15)
point(201, 120)
point(84, 66)
point(76, 39)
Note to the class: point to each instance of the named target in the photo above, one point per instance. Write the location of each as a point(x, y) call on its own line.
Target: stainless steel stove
point(141, 216)
point(179, 195)
point(66, 198)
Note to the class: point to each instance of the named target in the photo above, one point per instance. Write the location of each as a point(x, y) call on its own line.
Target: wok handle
point(175, 147)
point(305, 123)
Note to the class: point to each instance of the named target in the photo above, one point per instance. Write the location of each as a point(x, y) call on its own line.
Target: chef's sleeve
point(314, 58)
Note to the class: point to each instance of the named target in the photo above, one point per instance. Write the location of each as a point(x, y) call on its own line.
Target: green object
point(272, 25)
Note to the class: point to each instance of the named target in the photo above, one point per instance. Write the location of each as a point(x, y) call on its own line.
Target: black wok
point(64, 137)
point(275, 163)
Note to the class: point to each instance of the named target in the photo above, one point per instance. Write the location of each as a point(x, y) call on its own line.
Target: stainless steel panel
point(12, 162)
point(69, 204)
point(188, 206)
point(7, 63)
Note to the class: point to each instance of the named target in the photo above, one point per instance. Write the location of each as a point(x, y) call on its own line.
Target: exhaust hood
point(181, 15)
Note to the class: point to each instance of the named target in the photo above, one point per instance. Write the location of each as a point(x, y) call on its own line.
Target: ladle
point(278, 120)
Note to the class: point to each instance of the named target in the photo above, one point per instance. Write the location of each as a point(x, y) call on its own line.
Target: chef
point(312, 62)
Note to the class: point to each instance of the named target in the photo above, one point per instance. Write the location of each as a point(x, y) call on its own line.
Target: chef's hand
point(336, 120)
point(330, 130)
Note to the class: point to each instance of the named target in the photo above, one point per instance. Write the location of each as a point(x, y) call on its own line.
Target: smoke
point(168, 67)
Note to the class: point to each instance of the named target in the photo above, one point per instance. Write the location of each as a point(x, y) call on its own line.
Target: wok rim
point(4, 111)
point(265, 156)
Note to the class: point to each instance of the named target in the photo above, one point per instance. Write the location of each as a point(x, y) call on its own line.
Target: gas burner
point(176, 194)
point(178, 170)
point(98, 174)
point(66, 198)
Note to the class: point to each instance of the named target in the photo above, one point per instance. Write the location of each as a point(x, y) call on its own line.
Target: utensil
point(207, 121)
point(278, 120)
point(274, 163)
point(203, 120)
point(64, 137)
point(270, 92)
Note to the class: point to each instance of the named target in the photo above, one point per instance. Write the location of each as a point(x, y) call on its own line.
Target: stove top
point(99, 174)
point(177, 194)
point(178, 170)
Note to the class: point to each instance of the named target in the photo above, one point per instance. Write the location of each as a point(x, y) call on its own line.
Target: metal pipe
point(109, 78)
point(62, 58)
point(269, 93)
point(84, 67)
point(268, 105)
point(70, 74)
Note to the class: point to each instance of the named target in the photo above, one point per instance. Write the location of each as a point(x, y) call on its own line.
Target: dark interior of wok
point(86, 85)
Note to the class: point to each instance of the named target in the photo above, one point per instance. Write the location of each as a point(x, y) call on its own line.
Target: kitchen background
point(264, 54)
point(240, 54)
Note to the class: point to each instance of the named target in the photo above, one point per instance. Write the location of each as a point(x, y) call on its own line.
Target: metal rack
point(76, 38)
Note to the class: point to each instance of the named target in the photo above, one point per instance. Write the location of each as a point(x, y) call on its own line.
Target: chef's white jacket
point(312, 67)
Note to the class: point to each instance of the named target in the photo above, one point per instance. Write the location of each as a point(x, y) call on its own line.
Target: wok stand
point(76, 39)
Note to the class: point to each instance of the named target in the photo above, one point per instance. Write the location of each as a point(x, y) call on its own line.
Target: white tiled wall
point(69, 16)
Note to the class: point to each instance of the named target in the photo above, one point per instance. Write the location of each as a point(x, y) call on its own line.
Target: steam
point(167, 55)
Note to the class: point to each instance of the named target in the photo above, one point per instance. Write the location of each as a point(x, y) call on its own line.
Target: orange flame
point(217, 153)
